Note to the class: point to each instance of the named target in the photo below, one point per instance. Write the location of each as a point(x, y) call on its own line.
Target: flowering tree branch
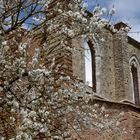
point(40, 101)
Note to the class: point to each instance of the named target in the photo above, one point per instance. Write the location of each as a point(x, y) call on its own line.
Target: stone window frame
point(133, 62)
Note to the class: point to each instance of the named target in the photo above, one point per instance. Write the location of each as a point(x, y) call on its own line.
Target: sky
point(127, 11)
point(88, 65)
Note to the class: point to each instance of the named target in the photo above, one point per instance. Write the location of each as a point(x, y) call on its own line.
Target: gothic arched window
point(135, 81)
point(90, 66)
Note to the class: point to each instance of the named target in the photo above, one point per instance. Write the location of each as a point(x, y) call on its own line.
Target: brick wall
point(111, 121)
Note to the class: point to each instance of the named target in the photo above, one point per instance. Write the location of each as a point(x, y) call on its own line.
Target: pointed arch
point(135, 74)
point(90, 65)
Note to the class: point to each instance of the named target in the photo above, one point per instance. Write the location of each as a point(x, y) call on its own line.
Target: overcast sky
point(126, 10)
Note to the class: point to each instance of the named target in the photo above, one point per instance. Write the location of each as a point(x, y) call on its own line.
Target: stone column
point(121, 64)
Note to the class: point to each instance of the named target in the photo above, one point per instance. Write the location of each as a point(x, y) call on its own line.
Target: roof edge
point(134, 42)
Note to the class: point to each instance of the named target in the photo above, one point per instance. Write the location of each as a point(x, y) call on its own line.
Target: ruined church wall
point(104, 59)
point(123, 52)
point(113, 72)
point(129, 51)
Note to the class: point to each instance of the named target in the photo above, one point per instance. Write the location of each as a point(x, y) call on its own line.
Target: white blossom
point(112, 11)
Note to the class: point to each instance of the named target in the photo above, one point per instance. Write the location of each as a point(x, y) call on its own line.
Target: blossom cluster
point(40, 99)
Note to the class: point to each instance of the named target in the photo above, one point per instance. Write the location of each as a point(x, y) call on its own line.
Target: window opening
point(90, 67)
